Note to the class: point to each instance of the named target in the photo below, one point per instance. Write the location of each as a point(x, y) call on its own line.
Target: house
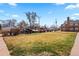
point(9, 31)
point(70, 25)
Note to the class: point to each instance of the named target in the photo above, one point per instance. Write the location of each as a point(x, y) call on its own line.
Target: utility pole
point(56, 24)
point(39, 21)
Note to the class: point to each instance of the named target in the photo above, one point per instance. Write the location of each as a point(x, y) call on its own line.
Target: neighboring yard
point(50, 43)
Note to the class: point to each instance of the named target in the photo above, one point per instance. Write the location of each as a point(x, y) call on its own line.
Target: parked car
point(26, 31)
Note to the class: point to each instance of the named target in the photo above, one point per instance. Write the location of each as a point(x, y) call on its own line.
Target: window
point(76, 24)
point(63, 28)
point(76, 28)
point(71, 28)
point(71, 23)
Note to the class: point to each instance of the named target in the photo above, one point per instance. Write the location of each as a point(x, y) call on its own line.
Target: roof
point(7, 28)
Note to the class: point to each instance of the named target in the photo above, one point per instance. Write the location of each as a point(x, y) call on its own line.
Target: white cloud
point(50, 12)
point(15, 15)
point(59, 3)
point(72, 6)
point(1, 11)
point(76, 14)
point(12, 4)
point(73, 17)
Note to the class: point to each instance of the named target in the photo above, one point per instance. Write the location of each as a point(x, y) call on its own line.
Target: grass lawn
point(45, 44)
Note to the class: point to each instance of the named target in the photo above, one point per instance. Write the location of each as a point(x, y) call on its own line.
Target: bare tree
point(12, 23)
point(34, 15)
point(22, 25)
point(29, 17)
point(32, 18)
point(8, 23)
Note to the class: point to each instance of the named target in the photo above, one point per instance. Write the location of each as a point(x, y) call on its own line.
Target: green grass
point(41, 44)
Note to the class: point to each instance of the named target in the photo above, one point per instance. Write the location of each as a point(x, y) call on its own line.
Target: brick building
point(70, 25)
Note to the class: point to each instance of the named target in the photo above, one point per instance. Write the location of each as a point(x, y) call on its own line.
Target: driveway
point(75, 49)
point(3, 48)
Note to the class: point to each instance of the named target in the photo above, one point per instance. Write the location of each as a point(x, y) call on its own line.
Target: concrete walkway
point(75, 49)
point(3, 49)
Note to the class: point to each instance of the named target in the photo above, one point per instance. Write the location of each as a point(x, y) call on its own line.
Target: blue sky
point(48, 12)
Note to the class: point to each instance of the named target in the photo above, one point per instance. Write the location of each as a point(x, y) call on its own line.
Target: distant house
point(70, 25)
point(9, 31)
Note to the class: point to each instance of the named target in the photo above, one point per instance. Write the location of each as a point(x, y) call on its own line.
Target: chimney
point(68, 18)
